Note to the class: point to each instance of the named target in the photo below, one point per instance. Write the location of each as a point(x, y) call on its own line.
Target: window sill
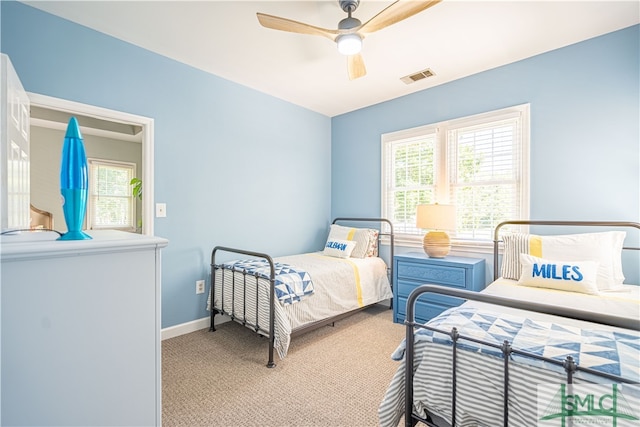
point(462, 246)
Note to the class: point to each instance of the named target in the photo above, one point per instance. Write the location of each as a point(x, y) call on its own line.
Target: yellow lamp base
point(436, 244)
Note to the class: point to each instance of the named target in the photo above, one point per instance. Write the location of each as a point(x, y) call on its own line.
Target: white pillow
point(570, 276)
point(605, 248)
point(358, 235)
point(339, 248)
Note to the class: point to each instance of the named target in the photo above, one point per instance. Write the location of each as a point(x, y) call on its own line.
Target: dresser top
point(448, 260)
point(37, 244)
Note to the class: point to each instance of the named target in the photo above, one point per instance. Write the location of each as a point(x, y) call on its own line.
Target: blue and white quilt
point(291, 284)
point(604, 350)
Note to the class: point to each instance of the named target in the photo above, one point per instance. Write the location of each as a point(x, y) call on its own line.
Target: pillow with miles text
point(339, 248)
point(569, 276)
point(604, 248)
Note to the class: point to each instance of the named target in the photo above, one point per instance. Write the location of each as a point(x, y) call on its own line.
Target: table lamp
point(74, 182)
point(437, 218)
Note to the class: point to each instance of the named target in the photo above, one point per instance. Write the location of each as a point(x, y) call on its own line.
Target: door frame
point(146, 123)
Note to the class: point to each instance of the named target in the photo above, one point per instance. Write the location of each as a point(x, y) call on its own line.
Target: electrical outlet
point(199, 286)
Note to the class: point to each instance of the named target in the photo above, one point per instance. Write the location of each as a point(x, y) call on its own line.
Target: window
point(478, 163)
point(111, 202)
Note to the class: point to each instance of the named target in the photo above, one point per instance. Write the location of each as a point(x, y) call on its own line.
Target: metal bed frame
point(252, 285)
point(568, 364)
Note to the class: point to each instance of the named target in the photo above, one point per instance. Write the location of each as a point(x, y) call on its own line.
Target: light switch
point(161, 210)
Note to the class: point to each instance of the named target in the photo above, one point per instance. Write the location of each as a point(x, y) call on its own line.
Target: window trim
point(146, 136)
point(441, 129)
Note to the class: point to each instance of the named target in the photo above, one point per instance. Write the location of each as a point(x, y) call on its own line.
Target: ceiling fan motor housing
point(349, 23)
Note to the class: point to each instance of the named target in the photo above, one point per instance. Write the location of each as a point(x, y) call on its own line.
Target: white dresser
point(80, 327)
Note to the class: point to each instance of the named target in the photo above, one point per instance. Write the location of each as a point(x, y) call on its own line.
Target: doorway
point(49, 113)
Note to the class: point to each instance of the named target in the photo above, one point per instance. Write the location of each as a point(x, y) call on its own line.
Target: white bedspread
point(623, 303)
point(341, 285)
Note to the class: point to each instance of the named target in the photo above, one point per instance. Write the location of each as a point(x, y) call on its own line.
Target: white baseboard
point(194, 325)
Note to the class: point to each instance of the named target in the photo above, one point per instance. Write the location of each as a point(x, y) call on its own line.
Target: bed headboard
point(610, 224)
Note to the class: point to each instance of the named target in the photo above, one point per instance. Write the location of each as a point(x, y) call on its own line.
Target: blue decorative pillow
point(570, 276)
point(339, 248)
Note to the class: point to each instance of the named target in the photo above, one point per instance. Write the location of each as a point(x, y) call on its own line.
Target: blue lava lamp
point(74, 182)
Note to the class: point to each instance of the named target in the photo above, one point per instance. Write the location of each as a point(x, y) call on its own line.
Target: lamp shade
point(436, 217)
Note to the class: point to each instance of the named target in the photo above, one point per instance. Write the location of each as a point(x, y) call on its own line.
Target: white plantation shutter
point(111, 203)
point(409, 176)
point(484, 176)
point(479, 164)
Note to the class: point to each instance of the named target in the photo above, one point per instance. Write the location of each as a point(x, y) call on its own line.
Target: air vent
point(420, 75)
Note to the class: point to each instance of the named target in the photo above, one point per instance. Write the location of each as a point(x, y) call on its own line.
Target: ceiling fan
point(350, 30)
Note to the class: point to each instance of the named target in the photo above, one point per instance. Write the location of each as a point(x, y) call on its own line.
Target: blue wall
point(585, 131)
point(235, 167)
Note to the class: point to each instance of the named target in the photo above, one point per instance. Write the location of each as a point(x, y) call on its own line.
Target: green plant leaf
point(136, 187)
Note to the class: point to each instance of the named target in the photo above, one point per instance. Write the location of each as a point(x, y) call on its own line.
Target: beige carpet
point(332, 377)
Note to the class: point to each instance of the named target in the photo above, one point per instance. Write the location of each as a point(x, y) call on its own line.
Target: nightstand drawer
point(406, 287)
point(435, 274)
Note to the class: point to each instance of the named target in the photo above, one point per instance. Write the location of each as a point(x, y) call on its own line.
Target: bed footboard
point(248, 284)
point(506, 349)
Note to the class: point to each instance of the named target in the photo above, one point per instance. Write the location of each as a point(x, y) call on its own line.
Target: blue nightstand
point(416, 268)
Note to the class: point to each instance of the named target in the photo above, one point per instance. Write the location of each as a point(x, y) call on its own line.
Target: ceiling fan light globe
point(349, 44)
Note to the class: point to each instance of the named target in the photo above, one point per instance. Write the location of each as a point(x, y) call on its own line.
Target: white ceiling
point(454, 38)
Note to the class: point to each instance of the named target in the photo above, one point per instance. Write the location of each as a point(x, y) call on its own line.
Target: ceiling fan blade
point(355, 65)
point(396, 12)
point(284, 24)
